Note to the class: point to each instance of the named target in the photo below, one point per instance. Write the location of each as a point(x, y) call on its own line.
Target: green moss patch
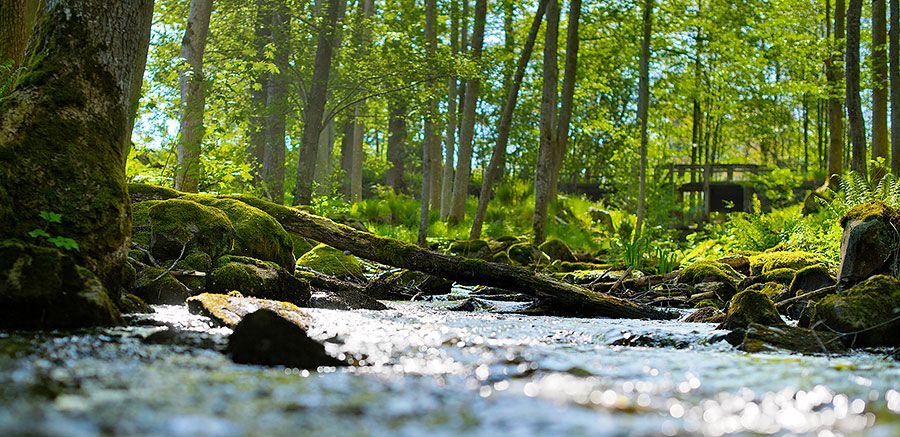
point(868, 211)
point(330, 261)
point(768, 261)
point(178, 225)
point(866, 314)
point(709, 271)
point(557, 250)
point(748, 307)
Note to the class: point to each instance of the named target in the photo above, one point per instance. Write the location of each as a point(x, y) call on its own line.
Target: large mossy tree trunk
point(64, 127)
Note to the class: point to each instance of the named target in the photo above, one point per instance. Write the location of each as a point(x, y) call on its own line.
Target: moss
point(709, 271)
point(300, 245)
point(470, 249)
point(256, 234)
point(198, 261)
point(866, 312)
point(766, 262)
point(782, 275)
point(713, 303)
point(502, 258)
point(178, 225)
point(748, 307)
point(868, 211)
point(147, 192)
point(228, 310)
point(258, 278)
point(557, 250)
point(131, 304)
point(156, 286)
point(330, 261)
point(769, 289)
point(565, 266)
point(129, 276)
point(527, 254)
point(246, 260)
point(139, 256)
point(140, 223)
point(582, 277)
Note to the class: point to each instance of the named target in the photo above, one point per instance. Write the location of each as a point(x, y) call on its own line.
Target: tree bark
point(854, 109)
point(137, 81)
point(544, 168)
point(256, 129)
point(277, 106)
point(467, 129)
point(503, 129)
point(396, 146)
point(432, 143)
point(568, 95)
point(895, 86)
point(193, 96)
point(314, 110)
point(325, 157)
point(13, 31)
point(879, 85)
point(63, 131)
point(834, 72)
point(450, 136)
point(643, 106)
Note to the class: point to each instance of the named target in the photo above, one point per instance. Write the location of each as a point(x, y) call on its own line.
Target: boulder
point(711, 271)
point(131, 304)
point(866, 314)
point(471, 304)
point(44, 288)
point(479, 249)
point(557, 250)
point(705, 314)
point(869, 243)
point(155, 285)
point(140, 222)
point(181, 226)
point(140, 193)
point(811, 278)
point(739, 263)
point(228, 310)
point(750, 306)
point(256, 278)
point(330, 261)
point(766, 262)
point(783, 275)
point(405, 284)
point(196, 267)
point(343, 300)
point(265, 338)
point(527, 254)
point(761, 338)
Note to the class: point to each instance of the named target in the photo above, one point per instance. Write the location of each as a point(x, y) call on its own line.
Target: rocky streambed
point(428, 370)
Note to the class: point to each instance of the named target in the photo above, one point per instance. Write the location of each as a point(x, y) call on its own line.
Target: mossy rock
point(258, 278)
point(739, 263)
point(301, 245)
point(140, 222)
point(139, 256)
point(869, 211)
point(782, 275)
point(157, 286)
point(557, 250)
point(566, 266)
point(715, 303)
point(582, 277)
point(772, 290)
point(811, 278)
point(709, 271)
point(759, 338)
point(131, 304)
point(179, 225)
point(866, 314)
point(330, 261)
point(44, 288)
point(705, 314)
point(229, 309)
point(501, 258)
point(768, 261)
point(256, 234)
point(198, 261)
point(144, 192)
point(479, 249)
point(750, 306)
point(129, 276)
point(527, 254)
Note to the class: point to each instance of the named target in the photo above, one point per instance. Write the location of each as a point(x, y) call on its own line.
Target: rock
point(140, 223)
point(178, 226)
point(228, 310)
point(131, 304)
point(196, 267)
point(301, 245)
point(768, 261)
point(710, 271)
point(344, 300)
point(502, 258)
point(773, 290)
point(527, 254)
point(256, 278)
point(760, 338)
point(405, 284)
point(748, 307)
point(869, 243)
point(782, 276)
point(811, 278)
point(557, 250)
point(866, 314)
point(129, 276)
point(479, 249)
point(172, 336)
point(140, 193)
point(471, 304)
point(256, 234)
point(705, 314)
point(157, 286)
point(602, 218)
point(265, 338)
point(43, 288)
point(722, 290)
point(739, 263)
point(330, 261)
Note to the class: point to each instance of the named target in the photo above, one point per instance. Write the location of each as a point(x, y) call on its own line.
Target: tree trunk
point(895, 86)
point(396, 147)
point(834, 71)
point(503, 129)
point(643, 106)
point(467, 131)
point(65, 127)
point(325, 157)
point(256, 129)
point(431, 145)
point(137, 81)
point(314, 111)
point(277, 106)
point(879, 86)
point(348, 131)
point(359, 131)
point(854, 109)
point(13, 31)
point(568, 95)
point(450, 139)
point(544, 168)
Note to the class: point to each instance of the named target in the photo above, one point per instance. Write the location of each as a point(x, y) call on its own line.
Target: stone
point(711, 271)
point(868, 314)
point(471, 304)
point(869, 243)
point(179, 227)
point(557, 250)
point(344, 300)
point(705, 314)
point(761, 338)
point(527, 254)
point(479, 249)
point(256, 278)
point(265, 338)
point(131, 304)
point(750, 306)
point(228, 310)
point(404, 284)
point(330, 261)
point(811, 278)
point(766, 262)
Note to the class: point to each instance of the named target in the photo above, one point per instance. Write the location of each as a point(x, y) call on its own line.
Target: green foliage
point(633, 252)
point(855, 190)
point(58, 241)
point(667, 261)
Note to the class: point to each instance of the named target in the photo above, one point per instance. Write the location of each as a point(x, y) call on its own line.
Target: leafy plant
point(633, 252)
point(667, 261)
point(52, 219)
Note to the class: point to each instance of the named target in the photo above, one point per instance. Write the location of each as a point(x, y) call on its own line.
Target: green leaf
point(37, 233)
point(64, 243)
point(51, 217)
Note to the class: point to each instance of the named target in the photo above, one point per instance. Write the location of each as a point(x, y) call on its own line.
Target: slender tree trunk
point(467, 132)
point(193, 96)
point(79, 115)
point(137, 81)
point(854, 109)
point(542, 178)
point(13, 31)
point(503, 129)
point(396, 146)
point(359, 129)
point(332, 12)
point(450, 139)
point(431, 144)
point(256, 131)
point(805, 133)
point(880, 147)
point(643, 106)
point(325, 157)
point(895, 86)
point(834, 73)
point(568, 95)
point(277, 106)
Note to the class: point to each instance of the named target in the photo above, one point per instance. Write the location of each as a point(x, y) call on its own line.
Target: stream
point(431, 371)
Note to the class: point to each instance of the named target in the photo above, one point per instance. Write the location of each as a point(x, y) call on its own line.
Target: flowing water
point(432, 371)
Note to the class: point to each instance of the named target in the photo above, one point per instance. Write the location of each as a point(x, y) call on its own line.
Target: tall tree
point(432, 144)
point(643, 106)
point(450, 136)
point(467, 129)
point(879, 84)
point(395, 177)
point(505, 126)
point(78, 114)
point(834, 72)
point(332, 12)
point(895, 86)
point(549, 96)
point(193, 96)
point(256, 131)
point(567, 102)
point(277, 105)
point(854, 109)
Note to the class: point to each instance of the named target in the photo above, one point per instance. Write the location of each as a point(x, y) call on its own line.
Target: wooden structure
point(718, 187)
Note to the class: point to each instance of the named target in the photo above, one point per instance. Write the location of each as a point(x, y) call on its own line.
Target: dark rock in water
point(43, 288)
point(492, 293)
point(705, 315)
point(406, 284)
point(228, 310)
point(868, 314)
point(471, 304)
point(644, 340)
point(179, 225)
point(557, 250)
point(177, 337)
point(131, 304)
point(750, 306)
point(330, 261)
point(869, 244)
point(760, 338)
point(811, 278)
point(157, 286)
point(344, 300)
point(257, 278)
point(265, 338)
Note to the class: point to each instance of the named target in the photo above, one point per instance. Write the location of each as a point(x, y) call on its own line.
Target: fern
point(855, 190)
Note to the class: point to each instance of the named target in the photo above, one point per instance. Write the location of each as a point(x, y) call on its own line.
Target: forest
point(462, 217)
